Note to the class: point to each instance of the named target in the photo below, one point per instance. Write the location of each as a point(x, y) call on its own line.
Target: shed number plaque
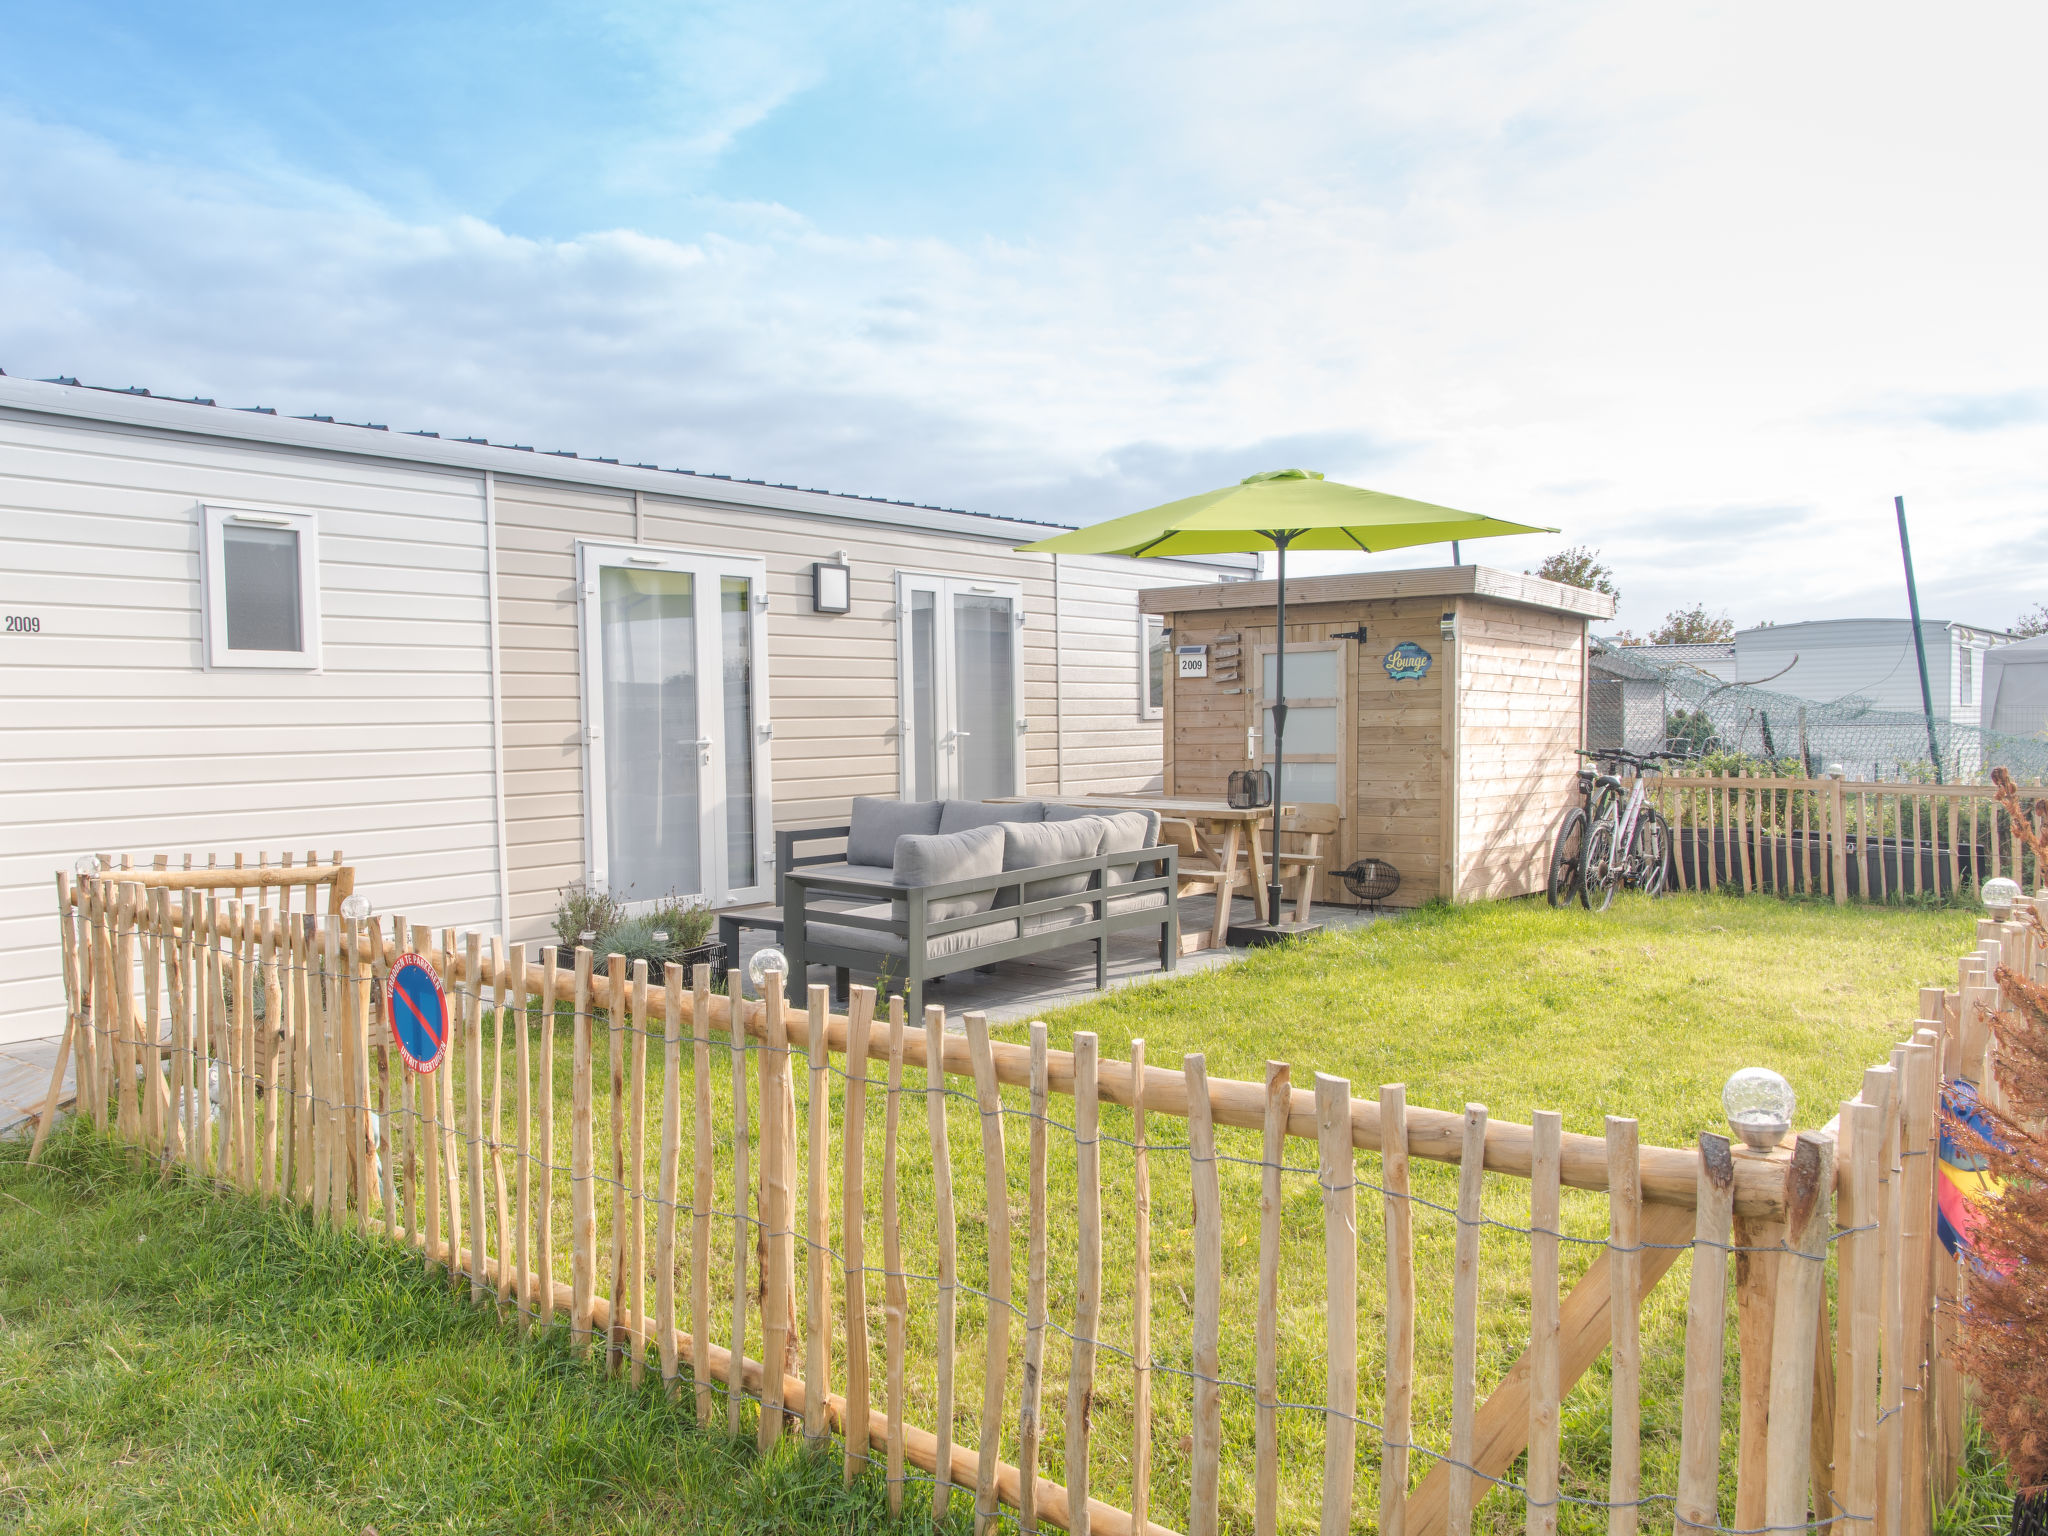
point(1194, 660)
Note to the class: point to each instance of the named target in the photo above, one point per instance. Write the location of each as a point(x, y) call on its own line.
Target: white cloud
point(1705, 286)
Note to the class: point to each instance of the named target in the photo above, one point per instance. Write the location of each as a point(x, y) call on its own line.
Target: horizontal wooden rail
point(920, 1446)
point(265, 877)
point(1670, 1176)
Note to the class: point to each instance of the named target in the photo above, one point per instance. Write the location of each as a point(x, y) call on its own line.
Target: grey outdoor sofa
point(918, 889)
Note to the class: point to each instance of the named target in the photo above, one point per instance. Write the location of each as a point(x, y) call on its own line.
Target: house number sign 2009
point(24, 624)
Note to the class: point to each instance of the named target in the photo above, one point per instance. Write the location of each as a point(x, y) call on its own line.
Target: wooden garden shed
point(1438, 710)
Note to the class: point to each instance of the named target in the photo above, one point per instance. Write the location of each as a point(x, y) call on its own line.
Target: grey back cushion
point(1123, 832)
point(877, 823)
point(1027, 845)
point(959, 815)
point(943, 857)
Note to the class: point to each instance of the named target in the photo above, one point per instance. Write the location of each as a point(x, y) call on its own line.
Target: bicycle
point(1613, 837)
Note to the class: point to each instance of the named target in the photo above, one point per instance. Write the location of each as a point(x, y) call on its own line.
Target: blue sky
point(1702, 285)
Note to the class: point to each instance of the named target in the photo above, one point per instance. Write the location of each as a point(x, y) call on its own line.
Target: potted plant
point(677, 931)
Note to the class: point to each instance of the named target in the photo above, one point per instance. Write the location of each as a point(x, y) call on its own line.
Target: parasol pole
point(1280, 542)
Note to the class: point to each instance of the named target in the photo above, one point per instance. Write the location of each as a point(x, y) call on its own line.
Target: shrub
point(582, 909)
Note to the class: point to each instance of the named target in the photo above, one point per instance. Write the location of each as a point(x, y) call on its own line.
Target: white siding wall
point(832, 678)
point(120, 741)
point(1869, 658)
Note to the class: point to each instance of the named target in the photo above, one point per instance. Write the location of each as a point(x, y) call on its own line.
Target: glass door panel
point(961, 676)
point(675, 700)
point(653, 762)
point(1315, 723)
point(923, 665)
point(985, 695)
point(736, 655)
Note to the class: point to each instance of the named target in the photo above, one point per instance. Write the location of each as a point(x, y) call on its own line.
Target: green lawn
point(269, 1374)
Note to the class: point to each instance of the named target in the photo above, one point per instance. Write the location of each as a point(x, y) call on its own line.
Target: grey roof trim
point(138, 409)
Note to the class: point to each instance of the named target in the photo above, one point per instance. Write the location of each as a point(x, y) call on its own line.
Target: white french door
point(675, 709)
point(960, 657)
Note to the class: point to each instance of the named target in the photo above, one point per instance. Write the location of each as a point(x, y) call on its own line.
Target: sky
point(1702, 286)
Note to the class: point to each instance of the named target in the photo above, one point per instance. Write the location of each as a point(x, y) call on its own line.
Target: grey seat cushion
point(1075, 812)
point(944, 857)
point(869, 941)
point(876, 824)
point(959, 815)
point(1059, 917)
point(1027, 845)
point(1138, 901)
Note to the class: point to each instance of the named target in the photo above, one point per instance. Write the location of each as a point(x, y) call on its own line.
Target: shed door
point(1316, 748)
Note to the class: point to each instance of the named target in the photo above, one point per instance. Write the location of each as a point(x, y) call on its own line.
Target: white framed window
point(261, 588)
point(1153, 659)
point(960, 680)
point(677, 790)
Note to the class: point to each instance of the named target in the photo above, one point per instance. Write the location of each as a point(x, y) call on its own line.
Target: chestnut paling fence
point(1878, 842)
point(233, 1040)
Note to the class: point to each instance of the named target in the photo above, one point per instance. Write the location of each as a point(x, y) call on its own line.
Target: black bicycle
point(1613, 837)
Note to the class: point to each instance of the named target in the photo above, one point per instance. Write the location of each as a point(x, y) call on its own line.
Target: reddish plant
point(2004, 1341)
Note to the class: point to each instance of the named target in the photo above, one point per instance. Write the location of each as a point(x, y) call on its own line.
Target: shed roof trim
point(1361, 586)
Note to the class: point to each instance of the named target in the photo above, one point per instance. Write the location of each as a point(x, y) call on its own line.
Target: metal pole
point(1280, 541)
point(1919, 641)
point(1454, 553)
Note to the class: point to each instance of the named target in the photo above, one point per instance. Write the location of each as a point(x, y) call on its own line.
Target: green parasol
point(1281, 509)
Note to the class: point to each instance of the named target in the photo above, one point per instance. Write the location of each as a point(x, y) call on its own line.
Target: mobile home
point(485, 672)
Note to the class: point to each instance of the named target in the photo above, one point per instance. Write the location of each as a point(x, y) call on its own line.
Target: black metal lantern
point(1251, 789)
point(1371, 880)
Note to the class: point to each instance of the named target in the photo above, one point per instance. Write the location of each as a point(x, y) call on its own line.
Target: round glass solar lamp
point(356, 909)
point(1999, 896)
point(768, 961)
point(1759, 1104)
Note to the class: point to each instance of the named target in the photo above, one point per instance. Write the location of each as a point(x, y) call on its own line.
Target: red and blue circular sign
point(419, 1012)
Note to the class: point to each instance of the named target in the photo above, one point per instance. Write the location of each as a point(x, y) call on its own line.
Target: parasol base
point(1251, 935)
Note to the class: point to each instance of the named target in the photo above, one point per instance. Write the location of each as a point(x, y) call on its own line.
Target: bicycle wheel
point(1568, 859)
point(1653, 853)
point(1603, 866)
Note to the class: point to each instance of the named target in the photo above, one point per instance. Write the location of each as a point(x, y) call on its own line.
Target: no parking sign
point(419, 1012)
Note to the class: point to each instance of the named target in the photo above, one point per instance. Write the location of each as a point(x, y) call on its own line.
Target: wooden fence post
point(1208, 1311)
point(942, 1216)
point(995, 1374)
point(1699, 1459)
point(1141, 1297)
point(1034, 1293)
point(742, 1190)
point(1624, 1236)
point(582, 1169)
point(896, 1292)
point(1545, 1204)
point(665, 1179)
point(1809, 1185)
point(1397, 1417)
point(818, 1226)
point(860, 1015)
point(1087, 1279)
point(1266, 1325)
point(1339, 1177)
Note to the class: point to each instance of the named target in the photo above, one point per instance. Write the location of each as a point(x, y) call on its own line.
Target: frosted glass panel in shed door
point(1315, 722)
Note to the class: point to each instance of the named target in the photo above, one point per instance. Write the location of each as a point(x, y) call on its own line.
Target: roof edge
point(202, 418)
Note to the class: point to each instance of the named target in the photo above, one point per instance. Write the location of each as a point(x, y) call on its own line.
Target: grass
point(1643, 1011)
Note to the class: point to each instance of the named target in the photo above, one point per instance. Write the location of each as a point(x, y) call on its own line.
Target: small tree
point(1579, 567)
point(2000, 1345)
point(2031, 623)
point(1694, 626)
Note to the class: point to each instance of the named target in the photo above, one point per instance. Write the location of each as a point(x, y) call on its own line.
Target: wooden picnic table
point(1237, 831)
